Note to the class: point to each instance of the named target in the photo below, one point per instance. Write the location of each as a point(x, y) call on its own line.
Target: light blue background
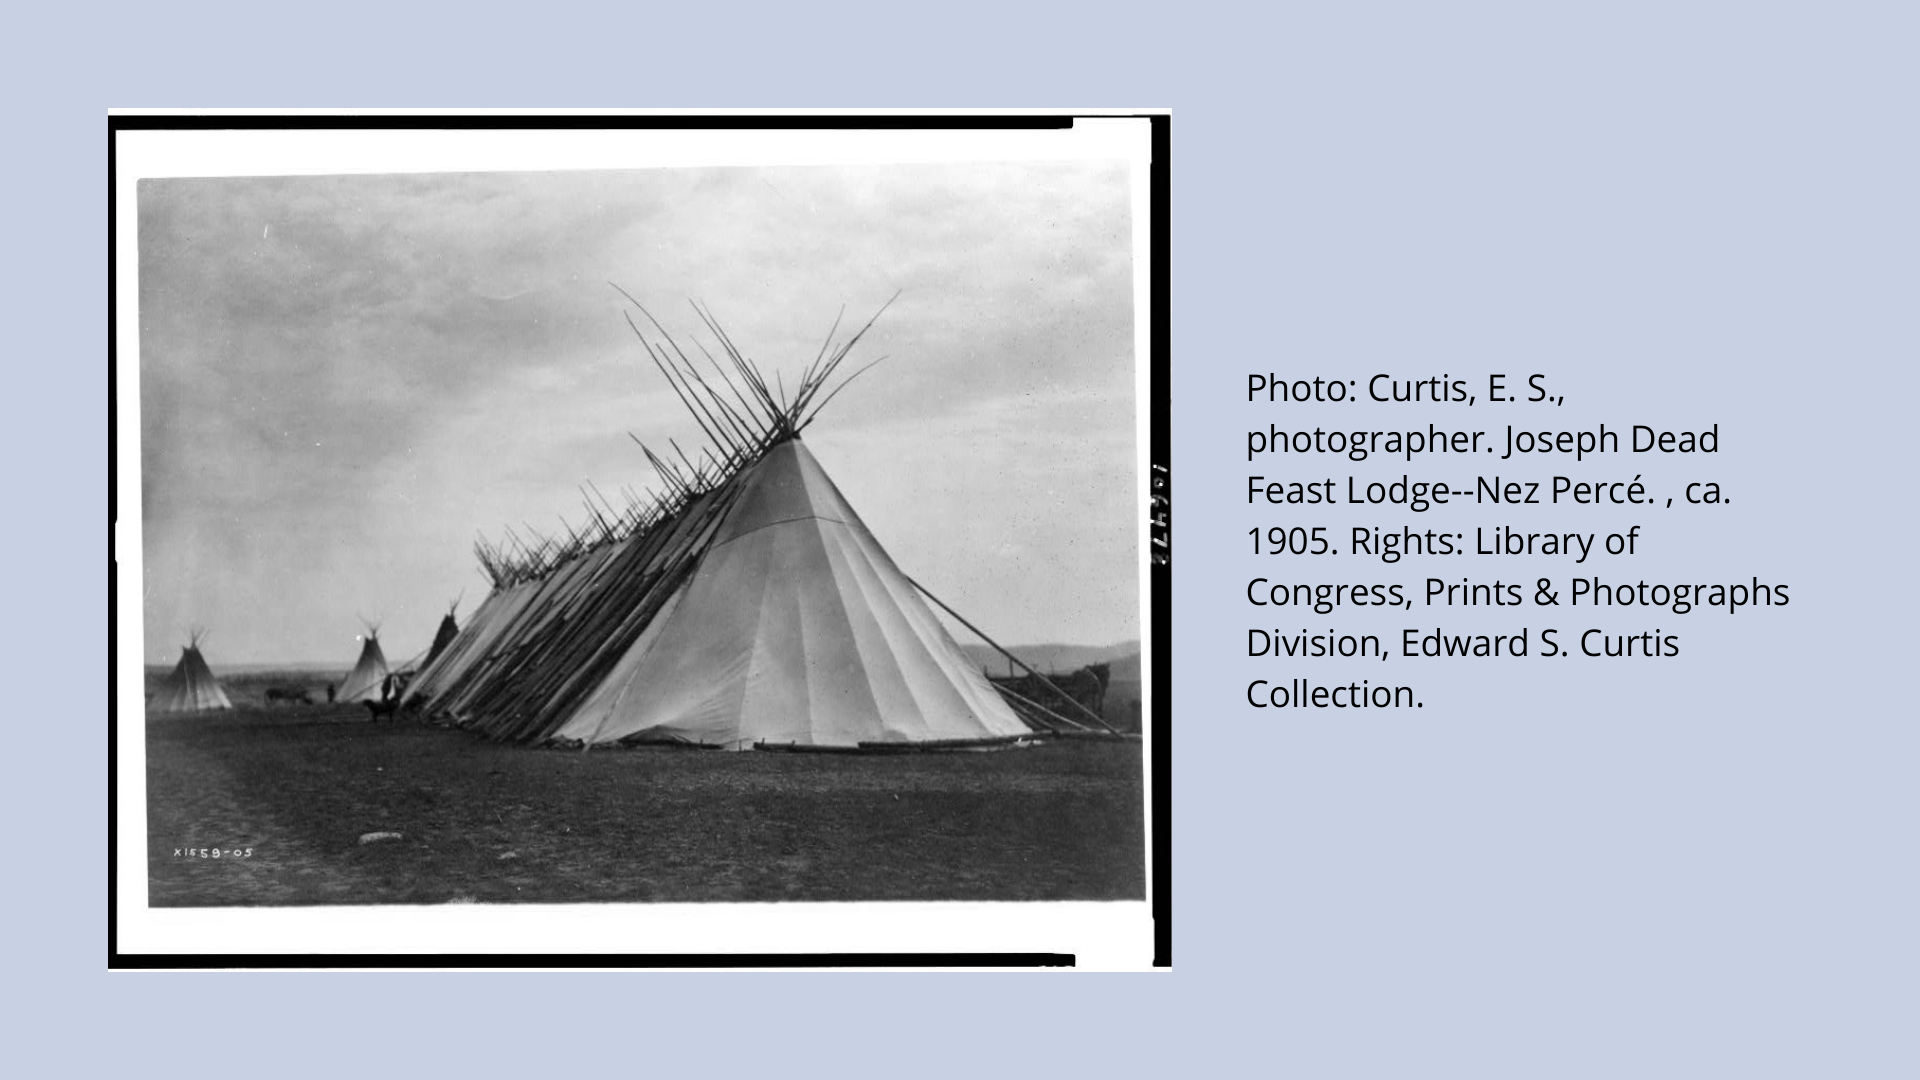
point(1688, 867)
point(1682, 214)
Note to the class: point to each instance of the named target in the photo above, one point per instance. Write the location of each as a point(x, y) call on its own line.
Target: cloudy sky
point(344, 380)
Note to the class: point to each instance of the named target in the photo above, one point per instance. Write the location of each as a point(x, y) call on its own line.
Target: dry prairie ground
point(489, 823)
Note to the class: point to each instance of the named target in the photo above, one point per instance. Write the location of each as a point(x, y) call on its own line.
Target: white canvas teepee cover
point(191, 686)
point(795, 628)
point(363, 682)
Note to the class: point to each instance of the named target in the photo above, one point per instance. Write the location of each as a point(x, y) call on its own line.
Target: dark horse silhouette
point(391, 691)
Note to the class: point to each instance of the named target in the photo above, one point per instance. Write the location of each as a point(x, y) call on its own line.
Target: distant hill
point(1122, 707)
point(226, 670)
point(1052, 658)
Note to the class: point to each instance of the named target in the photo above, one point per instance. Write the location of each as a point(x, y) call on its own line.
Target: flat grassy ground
point(489, 823)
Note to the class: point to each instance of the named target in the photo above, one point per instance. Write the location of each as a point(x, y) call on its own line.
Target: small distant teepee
point(364, 681)
point(445, 635)
point(191, 686)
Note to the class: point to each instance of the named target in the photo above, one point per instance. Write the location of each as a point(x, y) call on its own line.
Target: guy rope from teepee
point(1044, 681)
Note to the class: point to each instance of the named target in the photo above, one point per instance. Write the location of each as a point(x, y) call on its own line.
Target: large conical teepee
point(363, 682)
point(190, 687)
point(795, 627)
point(749, 605)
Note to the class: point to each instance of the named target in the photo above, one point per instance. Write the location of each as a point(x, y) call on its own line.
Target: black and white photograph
point(651, 540)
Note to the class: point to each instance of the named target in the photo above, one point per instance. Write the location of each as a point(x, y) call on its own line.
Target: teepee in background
point(190, 687)
point(364, 681)
point(444, 636)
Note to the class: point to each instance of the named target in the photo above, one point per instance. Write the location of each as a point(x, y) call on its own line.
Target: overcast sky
point(343, 380)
